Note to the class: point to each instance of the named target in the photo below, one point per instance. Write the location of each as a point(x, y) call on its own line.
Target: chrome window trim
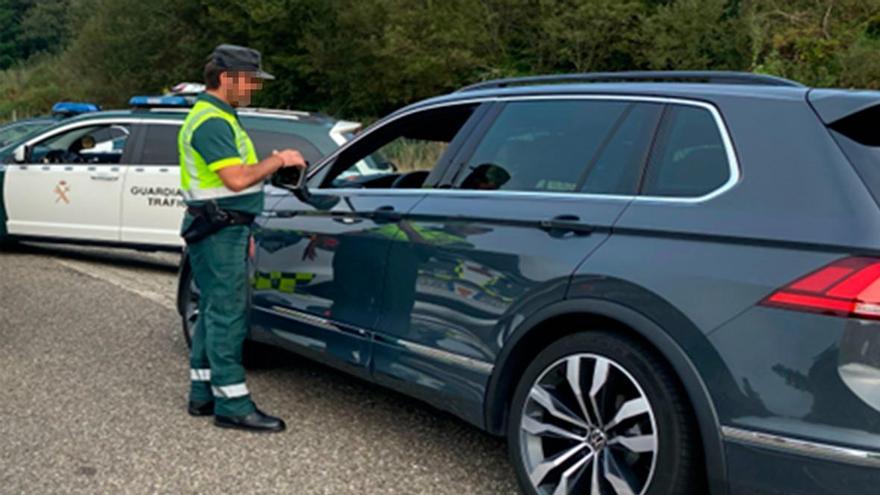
point(734, 175)
point(803, 447)
point(474, 193)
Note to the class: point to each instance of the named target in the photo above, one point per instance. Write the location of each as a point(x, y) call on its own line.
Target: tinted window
point(858, 137)
point(618, 165)
point(689, 159)
point(267, 141)
point(562, 146)
point(160, 145)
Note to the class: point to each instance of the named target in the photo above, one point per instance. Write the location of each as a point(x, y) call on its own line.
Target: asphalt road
point(93, 383)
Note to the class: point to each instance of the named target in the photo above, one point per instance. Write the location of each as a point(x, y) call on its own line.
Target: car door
point(320, 263)
point(538, 190)
point(70, 186)
point(152, 203)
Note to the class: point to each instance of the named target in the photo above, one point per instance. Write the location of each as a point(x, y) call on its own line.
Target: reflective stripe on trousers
point(200, 375)
point(230, 391)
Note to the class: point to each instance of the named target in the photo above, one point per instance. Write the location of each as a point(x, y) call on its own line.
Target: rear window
point(564, 146)
point(689, 158)
point(160, 146)
point(858, 138)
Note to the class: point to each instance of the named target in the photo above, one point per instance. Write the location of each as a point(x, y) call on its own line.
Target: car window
point(618, 164)
point(88, 144)
point(14, 132)
point(689, 159)
point(160, 145)
point(857, 136)
point(400, 154)
point(560, 146)
point(265, 142)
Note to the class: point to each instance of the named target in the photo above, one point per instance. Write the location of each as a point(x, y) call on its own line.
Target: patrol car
point(112, 178)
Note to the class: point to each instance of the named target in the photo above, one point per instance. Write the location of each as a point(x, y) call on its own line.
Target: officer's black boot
point(205, 408)
point(255, 421)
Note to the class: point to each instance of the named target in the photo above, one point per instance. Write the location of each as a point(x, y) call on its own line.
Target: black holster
point(209, 219)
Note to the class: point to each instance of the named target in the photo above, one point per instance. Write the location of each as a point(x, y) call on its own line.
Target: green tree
point(695, 34)
point(599, 35)
point(11, 13)
point(130, 46)
point(822, 43)
point(46, 26)
point(363, 58)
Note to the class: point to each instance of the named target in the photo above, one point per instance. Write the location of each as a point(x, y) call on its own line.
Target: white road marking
point(160, 290)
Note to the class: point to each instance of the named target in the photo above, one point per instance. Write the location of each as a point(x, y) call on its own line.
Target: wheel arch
point(534, 334)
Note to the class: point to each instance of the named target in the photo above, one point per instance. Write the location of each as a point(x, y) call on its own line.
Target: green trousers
point(220, 269)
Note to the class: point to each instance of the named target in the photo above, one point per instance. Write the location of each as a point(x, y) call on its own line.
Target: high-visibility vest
point(197, 180)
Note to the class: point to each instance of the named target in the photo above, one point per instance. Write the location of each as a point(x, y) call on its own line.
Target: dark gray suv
point(651, 283)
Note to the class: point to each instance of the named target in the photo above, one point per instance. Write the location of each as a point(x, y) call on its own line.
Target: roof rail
point(711, 77)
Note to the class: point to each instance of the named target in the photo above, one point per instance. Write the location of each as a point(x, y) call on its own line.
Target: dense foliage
point(362, 58)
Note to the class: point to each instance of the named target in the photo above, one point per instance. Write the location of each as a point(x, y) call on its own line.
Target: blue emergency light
point(68, 108)
point(160, 101)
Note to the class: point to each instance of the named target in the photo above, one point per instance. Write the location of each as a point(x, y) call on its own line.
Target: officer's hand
point(290, 158)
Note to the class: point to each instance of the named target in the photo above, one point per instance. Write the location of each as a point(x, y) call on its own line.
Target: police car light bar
point(73, 108)
point(160, 101)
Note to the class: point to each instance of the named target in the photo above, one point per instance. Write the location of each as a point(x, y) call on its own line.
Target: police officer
point(221, 178)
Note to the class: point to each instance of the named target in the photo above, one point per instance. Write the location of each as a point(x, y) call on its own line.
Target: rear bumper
point(767, 464)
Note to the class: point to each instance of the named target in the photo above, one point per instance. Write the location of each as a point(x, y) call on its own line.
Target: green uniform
point(212, 138)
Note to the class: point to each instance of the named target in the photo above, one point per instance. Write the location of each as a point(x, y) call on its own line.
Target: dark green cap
point(239, 58)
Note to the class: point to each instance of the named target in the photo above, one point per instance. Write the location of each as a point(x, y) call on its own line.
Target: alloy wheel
point(587, 427)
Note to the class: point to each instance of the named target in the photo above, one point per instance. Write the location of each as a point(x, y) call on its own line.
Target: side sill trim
point(803, 447)
point(437, 354)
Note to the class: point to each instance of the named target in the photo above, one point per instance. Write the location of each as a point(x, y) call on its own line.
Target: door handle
point(107, 176)
point(386, 214)
point(560, 225)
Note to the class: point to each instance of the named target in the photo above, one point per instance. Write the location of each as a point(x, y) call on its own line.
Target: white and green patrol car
point(113, 178)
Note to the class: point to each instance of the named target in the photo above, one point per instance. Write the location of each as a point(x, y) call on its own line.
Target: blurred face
point(239, 87)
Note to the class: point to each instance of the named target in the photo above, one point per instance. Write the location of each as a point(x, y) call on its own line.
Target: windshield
point(15, 132)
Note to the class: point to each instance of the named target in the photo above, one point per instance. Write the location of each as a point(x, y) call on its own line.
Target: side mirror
point(289, 178)
point(292, 179)
point(19, 154)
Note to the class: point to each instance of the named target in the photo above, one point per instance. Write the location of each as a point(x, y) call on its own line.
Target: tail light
point(252, 248)
point(849, 287)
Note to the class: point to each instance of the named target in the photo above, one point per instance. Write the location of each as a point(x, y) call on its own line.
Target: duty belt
point(209, 219)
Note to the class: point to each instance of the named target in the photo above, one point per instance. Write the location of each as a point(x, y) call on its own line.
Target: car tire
point(255, 355)
point(640, 437)
point(8, 243)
